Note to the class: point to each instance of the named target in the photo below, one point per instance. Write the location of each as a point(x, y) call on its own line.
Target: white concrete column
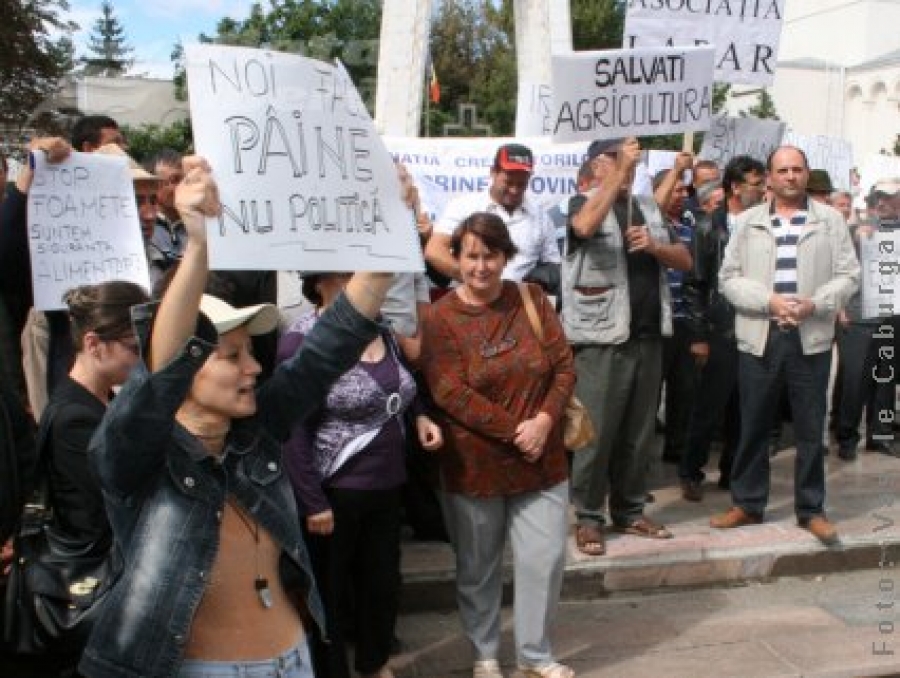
point(560, 27)
point(543, 27)
point(402, 54)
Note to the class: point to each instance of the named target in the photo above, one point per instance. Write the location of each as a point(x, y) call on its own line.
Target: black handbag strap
point(43, 490)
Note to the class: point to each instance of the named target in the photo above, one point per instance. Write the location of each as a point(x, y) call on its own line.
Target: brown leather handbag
point(578, 429)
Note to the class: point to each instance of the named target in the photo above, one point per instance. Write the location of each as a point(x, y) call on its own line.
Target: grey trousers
point(619, 386)
point(536, 523)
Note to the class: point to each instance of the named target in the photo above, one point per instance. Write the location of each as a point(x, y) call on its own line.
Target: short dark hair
point(87, 130)
point(308, 287)
point(104, 308)
point(738, 167)
point(780, 148)
point(660, 176)
point(487, 227)
point(164, 156)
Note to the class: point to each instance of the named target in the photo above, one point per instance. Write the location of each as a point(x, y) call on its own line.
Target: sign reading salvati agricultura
point(745, 33)
point(83, 226)
point(305, 181)
point(616, 93)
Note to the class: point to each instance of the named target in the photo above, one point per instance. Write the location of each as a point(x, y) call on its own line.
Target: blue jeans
point(294, 663)
point(760, 381)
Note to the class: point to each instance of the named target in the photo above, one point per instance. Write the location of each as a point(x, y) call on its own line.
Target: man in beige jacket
point(789, 268)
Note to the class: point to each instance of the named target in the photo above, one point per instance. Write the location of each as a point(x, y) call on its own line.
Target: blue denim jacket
point(165, 495)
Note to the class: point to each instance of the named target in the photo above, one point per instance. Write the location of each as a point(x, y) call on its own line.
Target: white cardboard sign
point(728, 137)
point(533, 111)
point(305, 181)
point(745, 34)
point(83, 226)
point(828, 153)
point(619, 93)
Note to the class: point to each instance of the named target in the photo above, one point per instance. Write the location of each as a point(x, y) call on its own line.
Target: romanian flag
point(434, 87)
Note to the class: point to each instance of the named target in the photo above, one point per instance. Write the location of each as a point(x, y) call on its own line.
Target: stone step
point(862, 501)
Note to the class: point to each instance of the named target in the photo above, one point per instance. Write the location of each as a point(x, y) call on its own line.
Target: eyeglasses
point(145, 200)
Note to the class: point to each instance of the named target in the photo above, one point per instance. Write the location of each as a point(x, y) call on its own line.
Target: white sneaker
point(486, 668)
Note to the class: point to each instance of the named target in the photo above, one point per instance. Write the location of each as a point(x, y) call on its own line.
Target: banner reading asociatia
point(745, 34)
point(305, 181)
point(618, 93)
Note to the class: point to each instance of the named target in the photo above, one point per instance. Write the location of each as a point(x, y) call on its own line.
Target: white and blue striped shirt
point(787, 234)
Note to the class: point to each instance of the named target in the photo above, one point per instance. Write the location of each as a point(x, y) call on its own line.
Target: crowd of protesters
point(245, 469)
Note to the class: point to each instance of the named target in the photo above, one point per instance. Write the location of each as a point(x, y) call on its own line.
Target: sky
point(152, 27)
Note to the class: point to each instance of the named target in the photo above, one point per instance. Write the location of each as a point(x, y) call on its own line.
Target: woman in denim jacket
point(189, 459)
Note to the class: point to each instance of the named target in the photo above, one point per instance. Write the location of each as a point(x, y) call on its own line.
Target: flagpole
point(427, 111)
point(427, 92)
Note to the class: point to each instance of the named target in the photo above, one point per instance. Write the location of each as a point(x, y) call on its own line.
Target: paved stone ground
point(839, 625)
point(861, 500)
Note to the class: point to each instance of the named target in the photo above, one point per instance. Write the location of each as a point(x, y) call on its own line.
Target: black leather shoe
point(691, 490)
point(847, 452)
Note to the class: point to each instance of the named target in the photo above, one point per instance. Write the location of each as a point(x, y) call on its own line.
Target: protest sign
point(728, 137)
point(305, 181)
point(617, 93)
point(83, 226)
point(444, 168)
point(880, 264)
point(828, 153)
point(745, 34)
point(533, 110)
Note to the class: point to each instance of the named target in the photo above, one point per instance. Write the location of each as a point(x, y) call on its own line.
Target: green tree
point(146, 140)
point(109, 52)
point(764, 108)
point(321, 29)
point(597, 24)
point(473, 49)
point(897, 145)
point(37, 51)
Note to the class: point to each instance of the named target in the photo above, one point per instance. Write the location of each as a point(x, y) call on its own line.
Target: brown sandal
point(644, 527)
point(589, 540)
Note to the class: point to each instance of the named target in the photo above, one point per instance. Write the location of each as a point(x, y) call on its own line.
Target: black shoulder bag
point(56, 585)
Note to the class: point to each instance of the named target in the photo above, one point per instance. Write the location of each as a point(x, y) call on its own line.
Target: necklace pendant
point(262, 590)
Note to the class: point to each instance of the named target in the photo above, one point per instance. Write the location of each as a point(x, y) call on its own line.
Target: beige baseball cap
point(259, 319)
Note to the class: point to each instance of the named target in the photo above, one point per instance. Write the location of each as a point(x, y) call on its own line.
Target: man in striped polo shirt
point(788, 269)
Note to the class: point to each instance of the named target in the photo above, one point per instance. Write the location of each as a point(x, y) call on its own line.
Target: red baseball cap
point(514, 158)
